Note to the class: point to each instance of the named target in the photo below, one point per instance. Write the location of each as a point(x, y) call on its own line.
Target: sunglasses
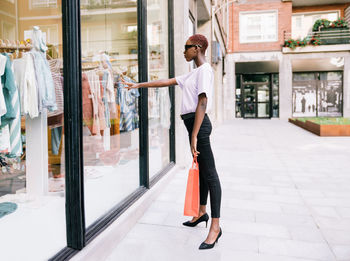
point(188, 46)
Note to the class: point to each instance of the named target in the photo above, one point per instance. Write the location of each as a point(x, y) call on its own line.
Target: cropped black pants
point(208, 177)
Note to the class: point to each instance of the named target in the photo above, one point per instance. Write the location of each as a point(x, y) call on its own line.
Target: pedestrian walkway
point(286, 197)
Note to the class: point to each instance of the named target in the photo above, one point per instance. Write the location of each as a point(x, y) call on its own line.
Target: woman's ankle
point(201, 213)
point(202, 210)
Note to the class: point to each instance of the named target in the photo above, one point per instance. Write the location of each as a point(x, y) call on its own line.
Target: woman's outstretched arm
point(153, 84)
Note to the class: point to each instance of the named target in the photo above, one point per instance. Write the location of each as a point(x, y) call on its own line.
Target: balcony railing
point(326, 36)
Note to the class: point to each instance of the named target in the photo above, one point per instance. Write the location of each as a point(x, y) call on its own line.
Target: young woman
point(197, 87)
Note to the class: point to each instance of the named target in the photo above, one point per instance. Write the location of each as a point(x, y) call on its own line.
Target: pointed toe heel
point(204, 217)
point(209, 246)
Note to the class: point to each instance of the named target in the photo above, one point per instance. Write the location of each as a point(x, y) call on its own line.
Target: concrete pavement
point(286, 197)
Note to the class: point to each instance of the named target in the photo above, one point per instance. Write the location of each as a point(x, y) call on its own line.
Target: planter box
point(313, 127)
point(335, 130)
point(323, 130)
point(338, 38)
point(300, 124)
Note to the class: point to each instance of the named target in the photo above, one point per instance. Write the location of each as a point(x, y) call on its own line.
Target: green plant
point(315, 40)
point(321, 23)
point(339, 23)
point(291, 43)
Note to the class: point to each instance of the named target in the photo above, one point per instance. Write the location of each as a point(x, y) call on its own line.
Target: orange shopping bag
point(192, 191)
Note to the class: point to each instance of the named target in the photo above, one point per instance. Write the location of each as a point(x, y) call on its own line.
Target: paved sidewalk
point(286, 197)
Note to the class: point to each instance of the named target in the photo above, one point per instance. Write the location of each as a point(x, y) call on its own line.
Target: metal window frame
point(77, 233)
point(171, 72)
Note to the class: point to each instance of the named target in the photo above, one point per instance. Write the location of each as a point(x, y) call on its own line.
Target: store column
point(285, 79)
point(346, 87)
point(230, 89)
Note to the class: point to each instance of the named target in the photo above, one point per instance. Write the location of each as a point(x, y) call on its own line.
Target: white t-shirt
point(194, 83)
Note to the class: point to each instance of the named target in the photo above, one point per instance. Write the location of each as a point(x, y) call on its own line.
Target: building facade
point(274, 81)
point(87, 148)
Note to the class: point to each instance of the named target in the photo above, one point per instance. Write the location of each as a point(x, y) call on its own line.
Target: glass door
point(263, 91)
point(249, 100)
point(256, 98)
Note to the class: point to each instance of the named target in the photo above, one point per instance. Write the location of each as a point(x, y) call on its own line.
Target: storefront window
point(238, 97)
point(32, 203)
point(317, 94)
point(159, 104)
point(330, 94)
point(110, 111)
point(275, 95)
point(304, 95)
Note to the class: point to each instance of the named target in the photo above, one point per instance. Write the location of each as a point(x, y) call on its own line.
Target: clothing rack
point(36, 135)
point(14, 45)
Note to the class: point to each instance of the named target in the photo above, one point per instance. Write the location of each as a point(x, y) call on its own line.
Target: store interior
point(32, 158)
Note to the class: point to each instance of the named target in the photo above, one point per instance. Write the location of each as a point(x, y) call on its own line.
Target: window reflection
point(158, 98)
point(110, 111)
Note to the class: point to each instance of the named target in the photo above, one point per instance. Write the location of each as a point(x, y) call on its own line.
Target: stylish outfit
point(194, 83)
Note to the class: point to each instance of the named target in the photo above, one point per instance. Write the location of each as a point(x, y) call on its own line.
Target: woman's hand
point(130, 85)
point(194, 147)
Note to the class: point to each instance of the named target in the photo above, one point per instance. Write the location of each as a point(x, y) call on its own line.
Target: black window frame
point(78, 236)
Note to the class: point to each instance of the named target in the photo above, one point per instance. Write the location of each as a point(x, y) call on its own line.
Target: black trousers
point(208, 177)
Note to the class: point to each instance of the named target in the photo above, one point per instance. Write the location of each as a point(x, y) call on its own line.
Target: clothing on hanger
point(26, 83)
point(127, 100)
point(13, 106)
point(45, 82)
point(9, 89)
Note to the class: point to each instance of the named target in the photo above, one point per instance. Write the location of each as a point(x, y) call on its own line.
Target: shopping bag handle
point(195, 163)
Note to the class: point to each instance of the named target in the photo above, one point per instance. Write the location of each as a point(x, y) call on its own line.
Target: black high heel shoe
point(204, 217)
point(209, 246)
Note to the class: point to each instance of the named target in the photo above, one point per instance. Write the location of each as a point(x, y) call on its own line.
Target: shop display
point(27, 88)
point(317, 94)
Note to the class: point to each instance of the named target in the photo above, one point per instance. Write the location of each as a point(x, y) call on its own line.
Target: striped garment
point(128, 106)
point(15, 128)
point(58, 83)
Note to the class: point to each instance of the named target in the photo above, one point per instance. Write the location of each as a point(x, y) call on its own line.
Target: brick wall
point(305, 9)
point(284, 19)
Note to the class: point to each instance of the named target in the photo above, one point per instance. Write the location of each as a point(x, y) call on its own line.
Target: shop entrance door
point(256, 90)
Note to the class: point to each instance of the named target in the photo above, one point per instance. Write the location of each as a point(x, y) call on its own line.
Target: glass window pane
point(110, 111)
point(263, 110)
point(238, 110)
point(255, 27)
point(302, 24)
point(330, 97)
point(32, 183)
point(263, 93)
point(275, 95)
point(159, 104)
point(250, 110)
point(331, 76)
point(304, 95)
point(256, 78)
point(304, 76)
point(249, 93)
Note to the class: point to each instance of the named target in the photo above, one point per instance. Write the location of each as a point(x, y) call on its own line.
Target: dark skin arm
point(153, 84)
point(199, 116)
point(200, 110)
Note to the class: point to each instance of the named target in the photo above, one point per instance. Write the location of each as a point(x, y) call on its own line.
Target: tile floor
point(286, 197)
